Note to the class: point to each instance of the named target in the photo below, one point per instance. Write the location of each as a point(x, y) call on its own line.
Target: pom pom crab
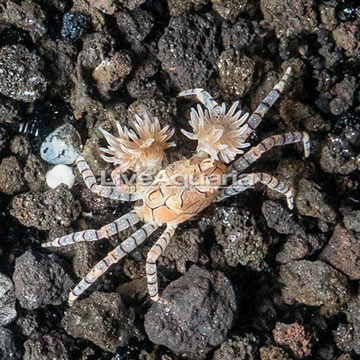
point(221, 137)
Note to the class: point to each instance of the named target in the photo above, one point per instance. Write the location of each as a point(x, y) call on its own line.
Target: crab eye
point(179, 179)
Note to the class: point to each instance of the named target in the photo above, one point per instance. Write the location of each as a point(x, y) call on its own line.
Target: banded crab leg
point(257, 116)
point(106, 231)
point(247, 181)
point(255, 119)
point(267, 144)
point(205, 98)
point(113, 257)
point(124, 192)
point(152, 256)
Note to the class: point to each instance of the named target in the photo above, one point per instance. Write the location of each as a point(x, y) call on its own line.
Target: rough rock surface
point(48, 346)
point(273, 353)
point(201, 313)
point(40, 280)
point(11, 176)
point(279, 218)
point(286, 15)
point(347, 336)
point(177, 8)
point(29, 17)
point(28, 324)
point(299, 246)
point(237, 35)
point(236, 72)
point(231, 9)
point(3, 137)
point(343, 252)
point(182, 250)
point(34, 173)
point(332, 162)
point(352, 220)
point(58, 56)
point(103, 319)
point(296, 113)
point(310, 201)
point(241, 241)
point(131, 4)
point(9, 349)
point(7, 301)
point(344, 93)
point(96, 47)
point(314, 284)
point(53, 208)
point(20, 145)
point(238, 348)
point(346, 36)
point(142, 81)
point(188, 55)
point(21, 76)
point(111, 72)
point(134, 27)
point(295, 337)
point(8, 110)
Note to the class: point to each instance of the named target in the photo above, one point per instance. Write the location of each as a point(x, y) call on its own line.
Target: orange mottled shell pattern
point(171, 199)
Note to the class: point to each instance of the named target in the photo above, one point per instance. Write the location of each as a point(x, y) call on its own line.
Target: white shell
point(60, 174)
point(62, 146)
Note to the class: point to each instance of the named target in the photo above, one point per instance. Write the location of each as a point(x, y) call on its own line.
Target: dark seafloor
point(254, 280)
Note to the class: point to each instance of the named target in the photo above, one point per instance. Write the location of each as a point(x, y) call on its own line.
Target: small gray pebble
point(40, 280)
point(8, 346)
point(7, 300)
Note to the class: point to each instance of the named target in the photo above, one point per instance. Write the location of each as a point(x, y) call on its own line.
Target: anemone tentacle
point(141, 150)
point(220, 134)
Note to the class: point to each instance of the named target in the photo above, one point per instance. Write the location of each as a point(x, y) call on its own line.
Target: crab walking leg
point(247, 181)
point(112, 192)
point(266, 104)
point(205, 98)
point(106, 231)
point(152, 256)
point(267, 144)
point(113, 257)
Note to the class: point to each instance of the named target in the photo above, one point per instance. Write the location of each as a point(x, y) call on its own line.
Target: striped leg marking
point(205, 98)
point(247, 181)
point(152, 256)
point(256, 118)
point(267, 144)
point(112, 192)
point(106, 231)
point(113, 257)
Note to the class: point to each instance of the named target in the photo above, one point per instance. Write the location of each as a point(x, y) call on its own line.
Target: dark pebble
point(201, 313)
point(343, 252)
point(48, 210)
point(40, 280)
point(314, 284)
point(9, 348)
point(21, 75)
point(103, 319)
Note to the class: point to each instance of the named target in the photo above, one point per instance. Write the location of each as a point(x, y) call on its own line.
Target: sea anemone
point(219, 134)
point(142, 150)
